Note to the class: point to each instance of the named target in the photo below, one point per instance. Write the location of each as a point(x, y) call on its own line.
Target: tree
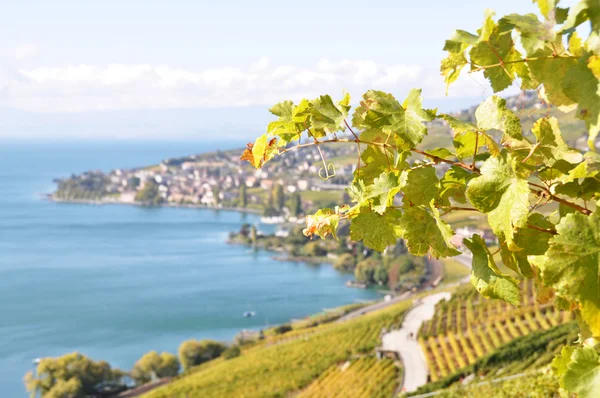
point(133, 182)
point(149, 194)
point(295, 204)
point(278, 197)
point(253, 235)
point(216, 191)
point(365, 270)
point(243, 200)
point(314, 249)
point(494, 168)
point(153, 366)
point(194, 352)
point(345, 262)
point(232, 352)
point(73, 375)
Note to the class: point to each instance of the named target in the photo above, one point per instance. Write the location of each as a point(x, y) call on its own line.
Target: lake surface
point(115, 281)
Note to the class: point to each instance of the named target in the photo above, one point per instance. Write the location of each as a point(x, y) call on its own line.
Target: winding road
point(413, 359)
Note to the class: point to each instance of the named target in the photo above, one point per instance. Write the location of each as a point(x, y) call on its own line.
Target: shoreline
point(51, 198)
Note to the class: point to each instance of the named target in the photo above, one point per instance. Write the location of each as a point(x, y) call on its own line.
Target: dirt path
point(413, 359)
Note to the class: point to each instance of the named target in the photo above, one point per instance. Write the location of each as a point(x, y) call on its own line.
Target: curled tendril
point(327, 173)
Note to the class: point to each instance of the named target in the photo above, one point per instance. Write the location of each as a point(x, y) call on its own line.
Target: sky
point(84, 57)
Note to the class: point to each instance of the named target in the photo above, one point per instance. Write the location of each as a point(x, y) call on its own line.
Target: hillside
point(469, 327)
point(338, 359)
point(276, 368)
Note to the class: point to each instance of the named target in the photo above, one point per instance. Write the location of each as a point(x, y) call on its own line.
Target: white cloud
point(25, 51)
point(76, 88)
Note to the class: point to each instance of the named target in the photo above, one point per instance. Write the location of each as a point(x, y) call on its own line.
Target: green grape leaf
point(574, 255)
point(466, 135)
point(491, 52)
point(581, 85)
point(327, 117)
point(534, 33)
point(575, 45)
point(376, 231)
point(486, 277)
point(493, 114)
point(453, 185)
point(533, 242)
point(458, 126)
point(580, 12)
point(488, 27)
point(323, 223)
point(502, 194)
point(550, 145)
point(582, 375)
point(551, 72)
point(465, 144)
point(292, 121)
point(380, 194)
point(379, 113)
point(560, 363)
point(409, 127)
point(425, 232)
point(456, 61)
point(586, 189)
point(421, 186)
point(384, 189)
point(442, 153)
point(374, 163)
point(546, 7)
point(375, 110)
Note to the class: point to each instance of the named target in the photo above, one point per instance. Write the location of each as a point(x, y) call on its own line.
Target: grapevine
point(515, 177)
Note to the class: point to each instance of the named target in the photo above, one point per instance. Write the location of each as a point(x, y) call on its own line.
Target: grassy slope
point(276, 369)
point(469, 327)
point(525, 358)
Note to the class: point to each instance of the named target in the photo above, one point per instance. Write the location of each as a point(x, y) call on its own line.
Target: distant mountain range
point(227, 123)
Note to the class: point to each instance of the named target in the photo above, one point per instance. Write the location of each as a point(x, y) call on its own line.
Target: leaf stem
point(476, 146)
point(549, 231)
point(437, 159)
point(358, 146)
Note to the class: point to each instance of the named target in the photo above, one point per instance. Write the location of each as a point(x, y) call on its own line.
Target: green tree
point(232, 352)
point(149, 194)
point(216, 191)
point(278, 197)
point(494, 167)
point(73, 375)
point(154, 366)
point(253, 235)
point(314, 249)
point(365, 270)
point(194, 352)
point(295, 204)
point(243, 199)
point(345, 262)
point(133, 182)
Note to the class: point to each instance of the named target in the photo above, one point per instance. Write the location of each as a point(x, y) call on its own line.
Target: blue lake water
point(114, 282)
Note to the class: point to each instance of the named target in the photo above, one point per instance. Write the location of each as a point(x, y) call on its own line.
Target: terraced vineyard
point(526, 353)
point(469, 327)
point(364, 377)
point(290, 365)
point(539, 385)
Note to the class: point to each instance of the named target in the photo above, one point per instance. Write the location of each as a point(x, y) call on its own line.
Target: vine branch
point(542, 190)
point(477, 68)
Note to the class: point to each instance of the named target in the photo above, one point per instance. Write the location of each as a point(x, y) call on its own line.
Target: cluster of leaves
point(398, 190)
point(74, 375)
point(152, 366)
point(194, 352)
